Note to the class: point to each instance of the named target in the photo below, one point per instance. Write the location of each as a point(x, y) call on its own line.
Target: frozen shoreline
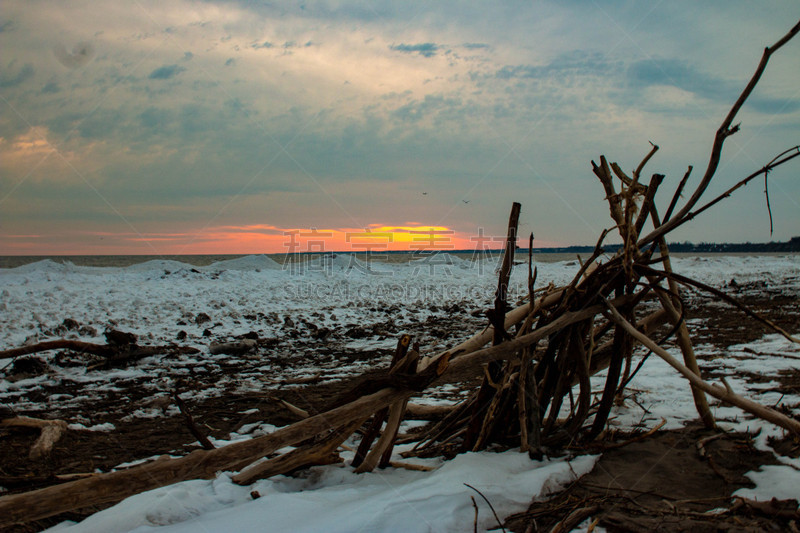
point(159, 299)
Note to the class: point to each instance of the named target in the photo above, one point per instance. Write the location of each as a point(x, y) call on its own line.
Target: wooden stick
point(104, 350)
point(725, 130)
point(50, 433)
point(387, 437)
point(392, 428)
point(378, 418)
point(200, 464)
point(296, 411)
point(419, 411)
point(201, 437)
point(487, 394)
point(321, 452)
point(722, 393)
point(684, 339)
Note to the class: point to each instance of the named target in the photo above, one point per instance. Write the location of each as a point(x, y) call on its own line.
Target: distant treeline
point(792, 245)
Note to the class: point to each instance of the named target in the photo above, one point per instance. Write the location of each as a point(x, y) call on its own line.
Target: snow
point(333, 499)
point(158, 300)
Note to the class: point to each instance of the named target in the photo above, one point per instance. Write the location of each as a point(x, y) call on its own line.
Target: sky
point(142, 127)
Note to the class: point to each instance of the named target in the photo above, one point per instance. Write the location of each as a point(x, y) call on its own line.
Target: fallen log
point(420, 411)
point(102, 350)
point(233, 348)
point(50, 433)
point(113, 487)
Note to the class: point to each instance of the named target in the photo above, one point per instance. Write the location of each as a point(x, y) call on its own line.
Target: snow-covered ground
point(352, 307)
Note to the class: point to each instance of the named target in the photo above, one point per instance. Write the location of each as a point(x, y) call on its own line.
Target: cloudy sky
point(226, 127)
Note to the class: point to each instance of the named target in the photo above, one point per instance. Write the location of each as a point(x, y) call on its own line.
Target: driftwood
point(200, 435)
point(112, 354)
point(50, 433)
point(200, 464)
point(233, 348)
point(724, 393)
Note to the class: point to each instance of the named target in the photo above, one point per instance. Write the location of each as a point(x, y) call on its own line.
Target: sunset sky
point(142, 127)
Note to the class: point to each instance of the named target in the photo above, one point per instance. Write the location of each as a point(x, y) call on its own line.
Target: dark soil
point(660, 483)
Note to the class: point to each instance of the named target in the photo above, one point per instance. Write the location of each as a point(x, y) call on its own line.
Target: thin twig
point(499, 523)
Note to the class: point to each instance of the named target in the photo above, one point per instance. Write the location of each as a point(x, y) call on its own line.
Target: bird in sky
point(465, 201)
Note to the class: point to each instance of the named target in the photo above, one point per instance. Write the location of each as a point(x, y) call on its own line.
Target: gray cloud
point(520, 117)
point(677, 73)
point(166, 72)
point(435, 106)
point(80, 54)
point(423, 49)
point(51, 88)
point(682, 75)
point(576, 62)
point(11, 76)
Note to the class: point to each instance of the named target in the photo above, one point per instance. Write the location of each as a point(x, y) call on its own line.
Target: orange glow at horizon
point(253, 239)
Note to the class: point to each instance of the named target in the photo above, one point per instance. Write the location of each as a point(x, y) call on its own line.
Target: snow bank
point(333, 499)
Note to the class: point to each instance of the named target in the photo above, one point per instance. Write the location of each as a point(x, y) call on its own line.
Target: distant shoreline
point(544, 255)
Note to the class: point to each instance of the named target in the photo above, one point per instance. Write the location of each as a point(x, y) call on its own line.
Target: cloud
point(423, 49)
point(575, 62)
point(166, 72)
point(677, 73)
point(51, 88)
point(682, 75)
point(432, 106)
point(11, 76)
point(524, 100)
point(81, 54)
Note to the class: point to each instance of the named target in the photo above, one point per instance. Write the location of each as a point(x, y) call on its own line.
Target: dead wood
point(785, 509)
point(722, 393)
point(50, 433)
point(113, 354)
point(419, 411)
point(320, 452)
point(574, 518)
point(200, 464)
point(296, 411)
point(724, 131)
point(200, 435)
point(488, 398)
point(378, 419)
point(234, 347)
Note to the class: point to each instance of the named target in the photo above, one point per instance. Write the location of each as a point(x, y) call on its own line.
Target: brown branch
point(200, 464)
point(722, 393)
point(731, 300)
point(201, 437)
point(725, 130)
point(678, 192)
point(103, 350)
point(767, 168)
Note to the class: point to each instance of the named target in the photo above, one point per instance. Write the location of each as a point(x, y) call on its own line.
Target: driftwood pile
point(537, 391)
